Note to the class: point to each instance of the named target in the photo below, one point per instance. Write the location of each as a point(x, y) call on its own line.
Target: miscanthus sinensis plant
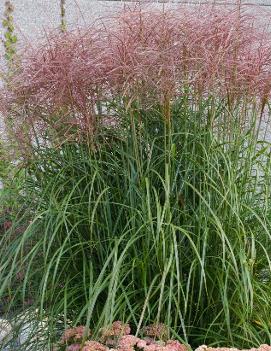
point(146, 177)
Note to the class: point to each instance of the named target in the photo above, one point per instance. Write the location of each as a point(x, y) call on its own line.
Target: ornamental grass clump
point(146, 180)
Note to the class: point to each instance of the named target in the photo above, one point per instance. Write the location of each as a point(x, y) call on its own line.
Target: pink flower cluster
point(119, 338)
point(129, 342)
point(73, 347)
point(116, 329)
point(74, 334)
point(73, 340)
point(94, 346)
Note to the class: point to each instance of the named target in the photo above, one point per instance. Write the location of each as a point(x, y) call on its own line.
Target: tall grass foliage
point(146, 179)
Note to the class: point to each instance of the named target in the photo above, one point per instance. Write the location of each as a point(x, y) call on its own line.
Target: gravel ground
point(32, 17)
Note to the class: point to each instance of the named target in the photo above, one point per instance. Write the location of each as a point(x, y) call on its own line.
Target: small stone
point(5, 330)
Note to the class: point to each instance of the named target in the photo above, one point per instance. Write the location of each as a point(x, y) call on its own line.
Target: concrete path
point(32, 17)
